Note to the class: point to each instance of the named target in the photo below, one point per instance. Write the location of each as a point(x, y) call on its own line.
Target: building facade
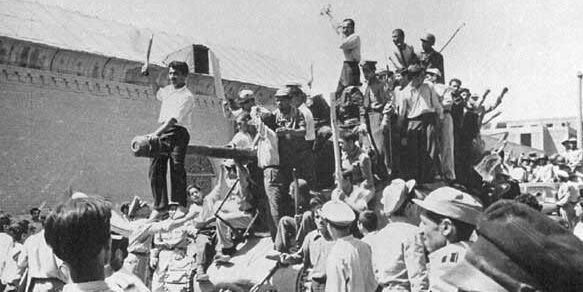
point(542, 134)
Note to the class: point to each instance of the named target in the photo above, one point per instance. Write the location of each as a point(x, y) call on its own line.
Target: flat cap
point(430, 38)
point(415, 69)
point(452, 203)
point(338, 213)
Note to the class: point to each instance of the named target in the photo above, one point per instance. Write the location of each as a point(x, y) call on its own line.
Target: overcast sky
point(533, 47)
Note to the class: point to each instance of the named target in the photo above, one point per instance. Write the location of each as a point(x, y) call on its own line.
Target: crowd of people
point(414, 202)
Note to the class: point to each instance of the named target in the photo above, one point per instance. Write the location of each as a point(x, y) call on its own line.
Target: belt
point(141, 253)
point(320, 280)
point(271, 166)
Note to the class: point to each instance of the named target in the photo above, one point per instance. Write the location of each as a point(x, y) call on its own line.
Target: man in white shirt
point(175, 122)
point(349, 262)
point(350, 46)
point(422, 110)
point(306, 167)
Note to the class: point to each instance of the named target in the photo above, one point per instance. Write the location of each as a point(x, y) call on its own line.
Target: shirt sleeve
point(416, 263)
point(350, 42)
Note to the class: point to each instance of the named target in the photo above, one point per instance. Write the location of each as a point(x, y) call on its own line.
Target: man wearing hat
point(519, 249)
point(245, 102)
point(349, 264)
point(307, 166)
point(431, 58)
point(376, 96)
point(399, 259)
point(291, 132)
point(446, 134)
point(404, 53)
point(421, 108)
point(573, 155)
point(448, 218)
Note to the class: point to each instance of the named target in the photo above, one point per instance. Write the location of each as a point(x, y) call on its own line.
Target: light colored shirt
point(177, 104)
point(6, 244)
point(578, 230)
point(443, 260)
point(350, 45)
point(315, 249)
point(419, 101)
point(95, 286)
point(267, 149)
point(241, 140)
point(349, 267)
point(375, 94)
point(518, 173)
point(399, 260)
point(126, 281)
point(444, 93)
point(40, 260)
point(310, 124)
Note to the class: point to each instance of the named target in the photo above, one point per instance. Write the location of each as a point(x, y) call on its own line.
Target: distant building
point(542, 134)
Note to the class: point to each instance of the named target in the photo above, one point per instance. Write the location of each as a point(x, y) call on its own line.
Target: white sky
point(534, 47)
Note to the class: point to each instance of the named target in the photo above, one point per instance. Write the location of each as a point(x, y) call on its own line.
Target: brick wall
point(63, 130)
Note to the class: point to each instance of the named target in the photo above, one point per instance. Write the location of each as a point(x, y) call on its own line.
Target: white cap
point(338, 213)
point(452, 203)
point(395, 194)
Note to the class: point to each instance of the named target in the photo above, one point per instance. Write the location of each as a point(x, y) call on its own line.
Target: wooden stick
point(334, 125)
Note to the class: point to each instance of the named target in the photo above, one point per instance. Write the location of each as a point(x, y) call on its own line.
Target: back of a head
point(369, 220)
point(78, 230)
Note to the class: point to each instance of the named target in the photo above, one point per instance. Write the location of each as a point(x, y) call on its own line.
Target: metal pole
point(579, 113)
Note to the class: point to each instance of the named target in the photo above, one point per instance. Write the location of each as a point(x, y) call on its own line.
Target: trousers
point(175, 142)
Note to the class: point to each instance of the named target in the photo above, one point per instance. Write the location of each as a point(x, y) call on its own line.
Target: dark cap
point(519, 247)
point(430, 38)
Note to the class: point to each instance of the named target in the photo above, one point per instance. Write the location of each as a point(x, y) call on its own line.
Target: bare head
point(347, 27)
point(398, 37)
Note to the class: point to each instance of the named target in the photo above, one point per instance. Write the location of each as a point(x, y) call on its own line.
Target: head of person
point(347, 26)
point(298, 97)
point(139, 209)
point(398, 37)
point(125, 208)
point(194, 193)
point(456, 84)
point(5, 221)
point(338, 217)
point(230, 167)
point(368, 69)
point(15, 231)
point(519, 249)
point(347, 141)
point(177, 73)
point(320, 222)
point(572, 143)
point(402, 77)
point(465, 94)
point(346, 185)
point(35, 214)
point(246, 99)
point(78, 231)
point(367, 221)
point(448, 216)
point(432, 74)
point(397, 200)
point(417, 75)
point(427, 42)
point(243, 122)
point(283, 99)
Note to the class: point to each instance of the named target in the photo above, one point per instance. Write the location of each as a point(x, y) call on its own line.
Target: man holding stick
point(175, 122)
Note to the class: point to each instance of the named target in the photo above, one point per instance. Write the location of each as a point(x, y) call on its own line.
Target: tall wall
point(68, 117)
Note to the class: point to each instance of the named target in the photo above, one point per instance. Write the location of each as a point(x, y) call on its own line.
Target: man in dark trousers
point(175, 123)
point(350, 46)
